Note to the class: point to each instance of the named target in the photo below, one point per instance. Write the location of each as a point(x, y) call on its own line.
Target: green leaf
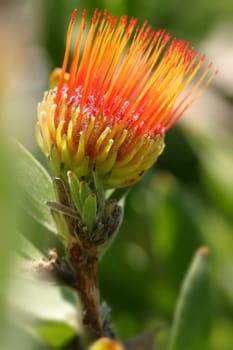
point(24, 337)
point(42, 301)
point(56, 334)
point(35, 186)
point(213, 147)
point(8, 215)
point(27, 249)
point(99, 191)
point(217, 175)
point(89, 211)
point(84, 191)
point(37, 235)
point(51, 311)
point(74, 186)
point(192, 319)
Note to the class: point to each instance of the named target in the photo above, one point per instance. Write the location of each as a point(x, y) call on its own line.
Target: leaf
point(217, 175)
point(37, 235)
point(89, 211)
point(56, 334)
point(36, 187)
point(27, 250)
point(42, 301)
point(24, 337)
point(74, 186)
point(8, 215)
point(192, 318)
point(213, 148)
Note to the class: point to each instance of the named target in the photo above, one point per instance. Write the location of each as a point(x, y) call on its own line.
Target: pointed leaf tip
point(203, 251)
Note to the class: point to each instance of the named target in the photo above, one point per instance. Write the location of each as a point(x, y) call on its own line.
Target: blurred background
point(184, 202)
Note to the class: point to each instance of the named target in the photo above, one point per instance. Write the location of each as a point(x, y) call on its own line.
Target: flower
point(111, 110)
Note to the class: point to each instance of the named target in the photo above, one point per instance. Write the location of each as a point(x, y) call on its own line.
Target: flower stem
point(84, 263)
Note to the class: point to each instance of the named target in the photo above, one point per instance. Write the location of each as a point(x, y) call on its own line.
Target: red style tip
point(73, 16)
point(84, 14)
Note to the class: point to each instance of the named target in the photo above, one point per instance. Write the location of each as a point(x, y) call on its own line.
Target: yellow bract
point(120, 156)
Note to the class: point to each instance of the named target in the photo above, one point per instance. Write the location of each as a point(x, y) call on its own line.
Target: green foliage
point(192, 319)
point(36, 186)
point(8, 218)
point(74, 190)
point(56, 334)
point(89, 211)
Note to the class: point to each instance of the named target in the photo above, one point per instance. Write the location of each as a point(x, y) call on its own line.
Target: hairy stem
point(87, 286)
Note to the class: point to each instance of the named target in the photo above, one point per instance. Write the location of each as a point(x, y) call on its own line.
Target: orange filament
point(122, 63)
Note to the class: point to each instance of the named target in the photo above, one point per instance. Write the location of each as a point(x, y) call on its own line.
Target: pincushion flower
point(111, 108)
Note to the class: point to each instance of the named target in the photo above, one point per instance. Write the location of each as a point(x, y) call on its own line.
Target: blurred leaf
point(36, 186)
point(7, 210)
point(7, 233)
point(217, 232)
point(38, 235)
point(56, 334)
point(192, 318)
point(17, 336)
point(222, 338)
point(42, 301)
point(213, 147)
point(217, 176)
point(174, 235)
point(27, 249)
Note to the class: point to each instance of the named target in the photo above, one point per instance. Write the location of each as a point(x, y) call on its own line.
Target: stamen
point(114, 102)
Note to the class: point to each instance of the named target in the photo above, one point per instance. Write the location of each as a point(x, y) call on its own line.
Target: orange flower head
point(110, 111)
